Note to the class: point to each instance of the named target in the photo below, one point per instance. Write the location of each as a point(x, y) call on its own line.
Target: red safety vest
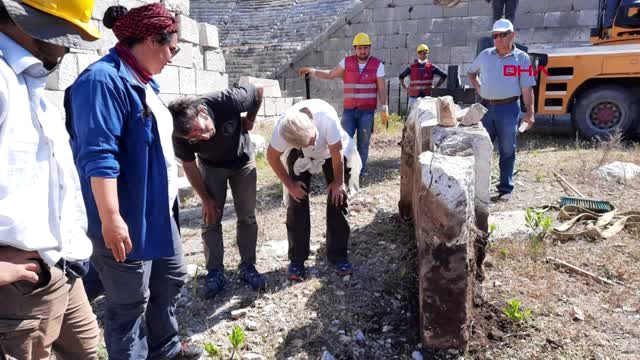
point(421, 81)
point(360, 89)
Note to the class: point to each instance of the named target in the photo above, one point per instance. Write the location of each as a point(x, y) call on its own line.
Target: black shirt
point(230, 147)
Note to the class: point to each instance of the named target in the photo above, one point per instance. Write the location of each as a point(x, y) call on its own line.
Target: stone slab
point(271, 87)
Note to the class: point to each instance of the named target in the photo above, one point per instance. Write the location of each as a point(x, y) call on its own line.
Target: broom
point(600, 206)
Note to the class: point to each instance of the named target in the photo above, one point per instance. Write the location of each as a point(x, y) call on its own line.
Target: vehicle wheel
point(601, 111)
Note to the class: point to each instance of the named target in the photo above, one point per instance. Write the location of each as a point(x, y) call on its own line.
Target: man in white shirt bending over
point(311, 134)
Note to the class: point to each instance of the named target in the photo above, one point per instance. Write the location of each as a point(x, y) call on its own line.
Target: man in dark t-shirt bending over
point(211, 129)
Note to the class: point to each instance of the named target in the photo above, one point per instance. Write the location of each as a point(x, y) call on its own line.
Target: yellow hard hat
point(361, 39)
point(77, 12)
point(422, 47)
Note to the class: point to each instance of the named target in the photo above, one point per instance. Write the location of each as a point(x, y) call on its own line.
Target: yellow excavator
point(598, 84)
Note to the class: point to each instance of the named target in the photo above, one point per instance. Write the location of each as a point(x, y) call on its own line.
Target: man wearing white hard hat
point(491, 75)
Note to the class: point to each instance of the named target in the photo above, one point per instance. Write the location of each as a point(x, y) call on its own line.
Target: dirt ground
point(373, 314)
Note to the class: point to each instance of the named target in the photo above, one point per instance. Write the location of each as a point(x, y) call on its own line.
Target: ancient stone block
point(462, 54)
point(459, 10)
point(480, 8)
point(560, 19)
point(177, 6)
point(197, 57)
point(271, 87)
point(184, 58)
point(187, 81)
point(189, 31)
point(208, 81)
point(445, 175)
point(84, 60)
point(214, 61)
point(65, 75)
point(472, 115)
point(57, 99)
point(208, 35)
point(585, 4)
point(447, 110)
point(169, 80)
point(470, 141)
point(99, 7)
point(425, 12)
point(446, 245)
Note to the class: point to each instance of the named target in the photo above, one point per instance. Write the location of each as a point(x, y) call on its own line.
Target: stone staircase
point(258, 36)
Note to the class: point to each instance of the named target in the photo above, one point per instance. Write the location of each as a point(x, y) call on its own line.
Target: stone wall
point(198, 68)
point(398, 26)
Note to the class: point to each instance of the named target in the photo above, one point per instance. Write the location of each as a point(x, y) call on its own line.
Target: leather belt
point(504, 101)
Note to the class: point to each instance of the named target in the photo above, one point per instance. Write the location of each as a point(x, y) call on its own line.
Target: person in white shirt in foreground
point(308, 139)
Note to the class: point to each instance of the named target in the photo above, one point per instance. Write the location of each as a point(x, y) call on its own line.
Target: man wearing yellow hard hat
point(44, 249)
point(364, 90)
point(421, 74)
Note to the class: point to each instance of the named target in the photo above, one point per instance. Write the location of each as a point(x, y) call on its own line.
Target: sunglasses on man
point(501, 35)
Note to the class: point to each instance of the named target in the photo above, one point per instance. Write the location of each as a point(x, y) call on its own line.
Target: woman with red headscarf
point(121, 139)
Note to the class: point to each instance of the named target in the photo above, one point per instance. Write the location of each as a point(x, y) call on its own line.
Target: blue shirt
point(115, 135)
point(498, 80)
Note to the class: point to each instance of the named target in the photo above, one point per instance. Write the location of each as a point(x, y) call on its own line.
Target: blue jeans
point(360, 121)
point(501, 122)
point(139, 314)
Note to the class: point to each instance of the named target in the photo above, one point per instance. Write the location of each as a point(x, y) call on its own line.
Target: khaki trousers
point(53, 315)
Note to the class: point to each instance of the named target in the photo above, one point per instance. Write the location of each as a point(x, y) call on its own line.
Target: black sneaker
point(296, 271)
point(214, 284)
point(251, 276)
point(188, 352)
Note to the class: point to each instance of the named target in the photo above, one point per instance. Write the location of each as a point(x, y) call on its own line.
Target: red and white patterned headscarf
point(145, 21)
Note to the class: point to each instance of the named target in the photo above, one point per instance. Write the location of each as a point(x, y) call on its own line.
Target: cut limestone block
point(209, 35)
point(471, 115)
point(271, 87)
point(447, 110)
point(422, 113)
point(470, 141)
point(446, 247)
point(177, 6)
point(189, 30)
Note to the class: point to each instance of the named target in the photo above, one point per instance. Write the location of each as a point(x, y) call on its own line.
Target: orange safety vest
point(421, 80)
point(360, 89)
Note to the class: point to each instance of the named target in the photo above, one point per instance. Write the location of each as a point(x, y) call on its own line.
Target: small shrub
point(515, 312)
point(211, 350)
point(237, 339)
point(492, 228)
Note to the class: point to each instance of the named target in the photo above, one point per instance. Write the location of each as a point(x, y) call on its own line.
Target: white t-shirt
point(379, 71)
point(327, 124)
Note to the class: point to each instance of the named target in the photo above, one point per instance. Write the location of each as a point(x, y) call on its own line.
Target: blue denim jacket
point(115, 135)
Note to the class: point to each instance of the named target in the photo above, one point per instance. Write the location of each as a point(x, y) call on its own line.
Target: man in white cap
point(491, 75)
point(42, 215)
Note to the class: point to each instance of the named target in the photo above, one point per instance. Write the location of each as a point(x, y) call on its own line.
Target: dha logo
point(516, 70)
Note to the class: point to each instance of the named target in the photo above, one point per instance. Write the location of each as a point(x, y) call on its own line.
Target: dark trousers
point(139, 315)
point(506, 7)
point(299, 219)
point(243, 188)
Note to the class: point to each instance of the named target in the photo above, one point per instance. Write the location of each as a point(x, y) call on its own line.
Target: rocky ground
point(373, 314)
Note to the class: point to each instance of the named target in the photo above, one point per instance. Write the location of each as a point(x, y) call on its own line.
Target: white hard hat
point(502, 25)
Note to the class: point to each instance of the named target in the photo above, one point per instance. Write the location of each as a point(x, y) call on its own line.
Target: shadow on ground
point(373, 312)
